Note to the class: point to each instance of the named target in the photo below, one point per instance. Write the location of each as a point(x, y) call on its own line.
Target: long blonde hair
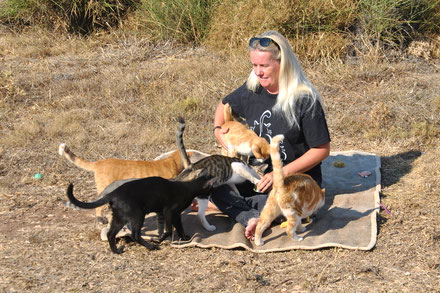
point(293, 84)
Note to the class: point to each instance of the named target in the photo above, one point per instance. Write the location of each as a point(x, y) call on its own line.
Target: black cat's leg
point(160, 223)
point(115, 226)
point(168, 224)
point(177, 222)
point(136, 226)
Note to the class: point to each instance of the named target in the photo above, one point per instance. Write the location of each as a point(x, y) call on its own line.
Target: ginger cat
point(241, 141)
point(107, 171)
point(296, 197)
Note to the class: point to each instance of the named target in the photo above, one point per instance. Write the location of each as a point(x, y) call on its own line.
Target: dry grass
point(317, 29)
point(118, 96)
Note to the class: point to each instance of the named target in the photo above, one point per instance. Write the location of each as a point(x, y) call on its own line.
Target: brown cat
point(241, 141)
point(107, 171)
point(296, 197)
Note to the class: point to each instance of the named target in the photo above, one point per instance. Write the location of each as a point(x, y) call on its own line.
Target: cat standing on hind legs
point(296, 197)
point(241, 141)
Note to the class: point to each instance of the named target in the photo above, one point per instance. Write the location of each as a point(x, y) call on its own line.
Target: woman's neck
point(272, 91)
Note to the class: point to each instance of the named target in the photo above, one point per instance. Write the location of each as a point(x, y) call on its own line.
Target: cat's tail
point(86, 205)
point(277, 165)
point(63, 150)
point(179, 142)
point(228, 112)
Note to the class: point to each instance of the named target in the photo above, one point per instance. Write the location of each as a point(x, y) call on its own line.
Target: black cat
point(134, 199)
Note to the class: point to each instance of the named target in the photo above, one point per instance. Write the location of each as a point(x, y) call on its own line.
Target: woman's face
point(266, 69)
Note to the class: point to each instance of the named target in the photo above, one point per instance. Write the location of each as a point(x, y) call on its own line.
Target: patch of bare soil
point(118, 98)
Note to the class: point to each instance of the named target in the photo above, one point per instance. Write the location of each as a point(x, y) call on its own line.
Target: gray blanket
point(348, 218)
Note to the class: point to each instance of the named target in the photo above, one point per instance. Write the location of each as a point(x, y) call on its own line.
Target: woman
point(277, 98)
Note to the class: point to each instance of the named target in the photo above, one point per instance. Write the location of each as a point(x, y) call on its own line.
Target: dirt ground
point(118, 98)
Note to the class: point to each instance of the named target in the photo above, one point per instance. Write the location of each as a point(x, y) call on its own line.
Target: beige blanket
point(348, 218)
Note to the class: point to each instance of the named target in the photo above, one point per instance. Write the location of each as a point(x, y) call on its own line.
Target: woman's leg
point(241, 209)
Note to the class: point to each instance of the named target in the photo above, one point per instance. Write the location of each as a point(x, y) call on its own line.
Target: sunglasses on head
point(264, 42)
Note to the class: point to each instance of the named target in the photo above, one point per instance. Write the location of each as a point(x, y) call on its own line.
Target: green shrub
point(75, 16)
point(396, 22)
point(181, 20)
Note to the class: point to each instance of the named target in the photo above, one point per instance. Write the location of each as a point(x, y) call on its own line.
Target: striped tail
point(179, 142)
point(64, 151)
point(278, 177)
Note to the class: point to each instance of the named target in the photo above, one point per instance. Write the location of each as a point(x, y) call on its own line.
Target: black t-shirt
point(256, 108)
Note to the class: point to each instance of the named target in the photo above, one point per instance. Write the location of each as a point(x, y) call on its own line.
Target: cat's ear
point(260, 169)
point(199, 173)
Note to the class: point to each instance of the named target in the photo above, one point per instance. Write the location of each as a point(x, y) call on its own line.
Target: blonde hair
point(293, 84)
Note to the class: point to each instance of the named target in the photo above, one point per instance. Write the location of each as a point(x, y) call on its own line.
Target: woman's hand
point(265, 183)
point(220, 138)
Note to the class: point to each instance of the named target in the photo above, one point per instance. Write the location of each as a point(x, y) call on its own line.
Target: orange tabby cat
point(241, 141)
point(109, 170)
point(296, 197)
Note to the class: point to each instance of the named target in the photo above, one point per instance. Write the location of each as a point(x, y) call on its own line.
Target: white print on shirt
point(264, 128)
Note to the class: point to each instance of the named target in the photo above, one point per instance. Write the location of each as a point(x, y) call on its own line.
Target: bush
point(395, 23)
point(181, 20)
point(74, 16)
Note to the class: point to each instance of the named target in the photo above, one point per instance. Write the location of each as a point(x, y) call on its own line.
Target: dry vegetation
point(115, 95)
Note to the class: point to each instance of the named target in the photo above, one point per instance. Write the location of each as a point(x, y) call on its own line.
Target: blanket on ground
point(347, 220)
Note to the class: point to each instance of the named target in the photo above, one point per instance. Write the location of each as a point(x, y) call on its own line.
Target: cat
point(227, 170)
point(110, 170)
point(131, 201)
point(241, 141)
point(296, 197)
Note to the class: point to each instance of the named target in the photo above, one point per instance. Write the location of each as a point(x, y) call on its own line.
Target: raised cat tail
point(63, 150)
point(179, 142)
point(278, 177)
point(227, 112)
point(86, 205)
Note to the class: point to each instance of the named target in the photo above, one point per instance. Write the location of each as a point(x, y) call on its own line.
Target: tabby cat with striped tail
point(226, 170)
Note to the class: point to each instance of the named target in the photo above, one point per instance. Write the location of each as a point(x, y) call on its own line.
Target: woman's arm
point(307, 161)
point(303, 164)
point(219, 120)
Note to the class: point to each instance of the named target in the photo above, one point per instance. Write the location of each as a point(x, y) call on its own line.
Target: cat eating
point(296, 197)
point(134, 199)
point(241, 141)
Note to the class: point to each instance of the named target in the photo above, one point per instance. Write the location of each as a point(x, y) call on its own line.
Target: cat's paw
point(259, 242)
point(302, 229)
point(185, 238)
point(119, 250)
point(298, 238)
point(152, 246)
point(61, 149)
point(164, 236)
point(210, 228)
point(104, 232)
